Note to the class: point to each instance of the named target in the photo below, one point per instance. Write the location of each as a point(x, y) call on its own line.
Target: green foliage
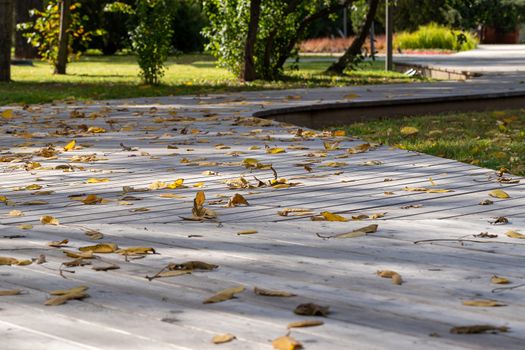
point(281, 26)
point(358, 14)
point(434, 36)
point(43, 33)
point(151, 39)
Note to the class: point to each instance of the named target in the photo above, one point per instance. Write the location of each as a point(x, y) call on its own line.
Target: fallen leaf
point(394, 276)
point(333, 217)
point(236, 200)
point(92, 199)
point(515, 234)
point(136, 251)
point(15, 213)
point(8, 261)
point(275, 150)
point(483, 303)
point(305, 323)
point(224, 295)
point(272, 293)
point(79, 255)
point(247, 232)
point(94, 234)
point(175, 184)
point(408, 131)
point(311, 309)
point(63, 296)
point(222, 338)
point(476, 329)
point(427, 190)
point(499, 280)
point(4, 293)
point(94, 180)
point(100, 248)
point(58, 244)
point(173, 273)
point(7, 114)
point(70, 146)
point(49, 220)
point(193, 265)
point(499, 194)
point(286, 343)
point(363, 231)
point(294, 212)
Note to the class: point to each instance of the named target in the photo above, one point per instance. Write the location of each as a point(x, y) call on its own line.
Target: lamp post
point(389, 35)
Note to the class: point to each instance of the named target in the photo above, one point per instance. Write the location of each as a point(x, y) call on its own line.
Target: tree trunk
point(354, 50)
point(248, 72)
point(24, 50)
point(63, 39)
point(6, 33)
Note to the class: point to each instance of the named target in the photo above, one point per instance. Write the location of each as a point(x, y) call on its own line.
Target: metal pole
point(389, 35)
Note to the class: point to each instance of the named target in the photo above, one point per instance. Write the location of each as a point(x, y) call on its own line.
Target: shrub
point(434, 36)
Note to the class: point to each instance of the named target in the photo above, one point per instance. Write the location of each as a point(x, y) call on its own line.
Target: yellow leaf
point(223, 338)
point(333, 217)
point(363, 231)
point(499, 194)
point(25, 226)
point(338, 133)
point(8, 261)
point(100, 248)
point(70, 146)
point(515, 234)
point(176, 184)
point(200, 197)
point(331, 146)
point(247, 232)
point(96, 130)
point(171, 195)
point(275, 150)
point(272, 293)
point(483, 303)
point(408, 131)
point(10, 292)
point(199, 184)
point(157, 185)
point(286, 343)
point(79, 255)
point(7, 114)
point(427, 190)
point(94, 180)
point(305, 323)
point(69, 291)
point(63, 296)
point(225, 294)
point(49, 220)
point(499, 280)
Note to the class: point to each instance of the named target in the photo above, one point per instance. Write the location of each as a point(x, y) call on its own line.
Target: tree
point(6, 33)
point(23, 49)
point(63, 37)
point(353, 54)
point(282, 24)
point(248, 72)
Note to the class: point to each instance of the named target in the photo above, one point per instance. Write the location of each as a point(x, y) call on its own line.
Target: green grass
point(99, 77)
point(433, 36)
point(488, 139)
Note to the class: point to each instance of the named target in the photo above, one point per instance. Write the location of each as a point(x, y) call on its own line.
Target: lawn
point(99, 77)
point(489, 139)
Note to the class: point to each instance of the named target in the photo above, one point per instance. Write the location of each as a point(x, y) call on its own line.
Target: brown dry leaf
point(394, 276)
point(79, 255)
point(94, 180)
point(100, 248)
point(272, 293)
point(483, 303)
point(305, 323)
point(173, 273)
point(331, 146)
point(70, 146)
point(427, 190)
point(362, 148)
point(499, 280)
point(311, 309)
point(286, 343)
point(49, 220)
point(224, 295)
point(222, 338)
point(333, 217)
point(92, 199)
point(8, 261)
point(171, 195)
point(515, 234)
point(294, 212)
point(476, 329)
point(63, 296)
point(193, 265)
point(4, 293)
point(363, 231)
point(247, 232)
point(339, 133)
point(94, 234)
point(198, 211)
point(397, 280)
point(236, 200)
point(136, 251)
point(58, 244)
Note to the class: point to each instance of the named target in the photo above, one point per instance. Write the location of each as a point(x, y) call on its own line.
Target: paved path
point(129, 146)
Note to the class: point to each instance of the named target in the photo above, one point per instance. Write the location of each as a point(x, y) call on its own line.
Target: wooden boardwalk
point(206, 141)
